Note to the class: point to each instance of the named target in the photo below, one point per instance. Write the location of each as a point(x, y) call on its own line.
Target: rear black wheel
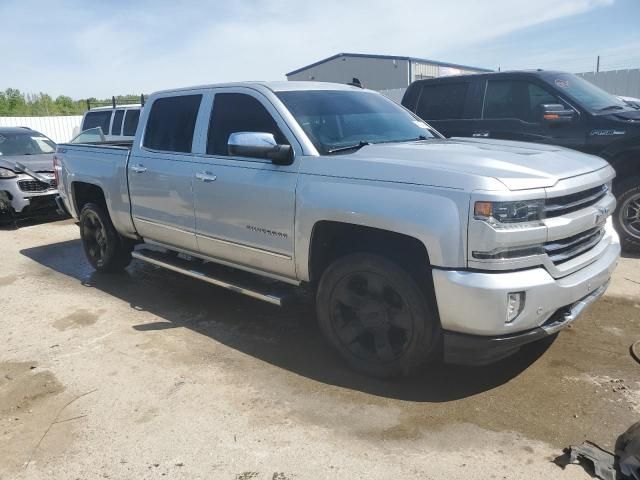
point(376, 315)
point(627, 215)
point(105, 249)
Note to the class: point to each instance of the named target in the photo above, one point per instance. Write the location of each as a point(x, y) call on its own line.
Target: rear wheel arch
point(84, 193)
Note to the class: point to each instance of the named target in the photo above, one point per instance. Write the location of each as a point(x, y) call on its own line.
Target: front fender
point(435, 216)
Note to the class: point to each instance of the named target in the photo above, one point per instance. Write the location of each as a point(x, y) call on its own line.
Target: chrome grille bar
point(562, 250)
point(568, 203)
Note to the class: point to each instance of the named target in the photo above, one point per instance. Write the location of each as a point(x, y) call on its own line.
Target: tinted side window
point(116, 126)
point(538, 96)
point(442, 101)
point(131, 122)
point(504, 100)
point(516, 99)
point(237, 112)
point(97, 119)
point(171, 122)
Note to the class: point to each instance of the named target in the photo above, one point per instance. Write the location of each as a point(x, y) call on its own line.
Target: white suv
point(118, 123)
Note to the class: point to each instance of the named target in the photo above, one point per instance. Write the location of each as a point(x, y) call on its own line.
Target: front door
point(161, 173)
point(244, 207)
point(512, 110)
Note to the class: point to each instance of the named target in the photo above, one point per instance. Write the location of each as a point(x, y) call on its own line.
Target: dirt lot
point(153, 375)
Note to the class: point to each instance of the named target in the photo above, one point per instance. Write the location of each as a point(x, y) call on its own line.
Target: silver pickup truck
point(416, 246)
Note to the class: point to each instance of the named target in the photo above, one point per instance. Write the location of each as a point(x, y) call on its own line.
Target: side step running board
point(239, 282)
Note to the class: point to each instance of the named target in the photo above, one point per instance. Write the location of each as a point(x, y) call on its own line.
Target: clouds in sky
point(82, 48)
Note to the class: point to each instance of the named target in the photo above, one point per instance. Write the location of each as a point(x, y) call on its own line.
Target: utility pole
point(598, 64)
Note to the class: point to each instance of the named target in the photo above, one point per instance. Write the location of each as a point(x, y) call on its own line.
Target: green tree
point(14, 103)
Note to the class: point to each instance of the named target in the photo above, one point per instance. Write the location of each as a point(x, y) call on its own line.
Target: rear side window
point(237, 112)
point(442, 101)
point(171, 123)
point(504, 99)
point(131, 123)
point(116, 127)
point(100, 119)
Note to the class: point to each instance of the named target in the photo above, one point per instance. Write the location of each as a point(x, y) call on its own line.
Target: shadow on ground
point(10, 222)
point(287, 338)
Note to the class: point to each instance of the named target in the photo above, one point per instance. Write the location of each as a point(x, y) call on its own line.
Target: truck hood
point(463, 163)
point(37, 163)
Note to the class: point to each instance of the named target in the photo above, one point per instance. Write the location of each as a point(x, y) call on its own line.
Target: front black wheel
point(105, 249)
point(376, 315)
point(627, 215)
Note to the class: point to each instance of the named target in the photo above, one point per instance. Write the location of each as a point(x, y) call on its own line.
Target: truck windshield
point(335, 119)
point(585, 93)
point(28, 143)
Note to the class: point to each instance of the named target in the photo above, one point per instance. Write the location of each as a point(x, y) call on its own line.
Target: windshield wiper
point(346, 148)
point(611, 107)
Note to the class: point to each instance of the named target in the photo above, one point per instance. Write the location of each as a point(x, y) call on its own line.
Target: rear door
point(512, 110)
point(449, 106)
point(161, 172)
point(244, 206)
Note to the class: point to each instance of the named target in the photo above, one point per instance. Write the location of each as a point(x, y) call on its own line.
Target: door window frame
point(206, 109)
point(534, 81)
point(147, 112)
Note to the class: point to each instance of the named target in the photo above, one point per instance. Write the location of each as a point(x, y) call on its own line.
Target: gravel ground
point(150, 374)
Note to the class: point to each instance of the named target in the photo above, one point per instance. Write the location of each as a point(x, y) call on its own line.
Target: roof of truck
point(275, 86)
point(110, 107)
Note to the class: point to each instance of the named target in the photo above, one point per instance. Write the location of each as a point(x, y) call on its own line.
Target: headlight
point(6, 173)
point(497, 213)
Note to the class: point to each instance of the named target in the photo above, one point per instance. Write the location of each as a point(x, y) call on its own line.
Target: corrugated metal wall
point(394, 94)
point(59, 129)
point(422, 70)
point(618, 82)
point(374, 73)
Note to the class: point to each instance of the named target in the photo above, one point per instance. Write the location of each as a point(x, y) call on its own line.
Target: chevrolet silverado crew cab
point(415, 245)
point(545, 107)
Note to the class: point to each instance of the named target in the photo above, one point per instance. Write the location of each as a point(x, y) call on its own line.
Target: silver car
point(27, 181)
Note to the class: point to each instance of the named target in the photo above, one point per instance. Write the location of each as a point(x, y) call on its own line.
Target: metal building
point(377, 72)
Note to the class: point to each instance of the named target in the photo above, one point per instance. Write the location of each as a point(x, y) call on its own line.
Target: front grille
point(567, 248)
point(556, 206)
point(33, 186)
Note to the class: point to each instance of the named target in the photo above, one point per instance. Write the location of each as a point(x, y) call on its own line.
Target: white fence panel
point(617, 82)
point(59, 129)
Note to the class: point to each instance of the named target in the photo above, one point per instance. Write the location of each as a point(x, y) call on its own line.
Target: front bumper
point(464, 349)
point(474, 304)
point(22, 201)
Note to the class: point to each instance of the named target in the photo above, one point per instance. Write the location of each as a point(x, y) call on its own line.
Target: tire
point(105, 249)
point(376, 316)
point(626, 218)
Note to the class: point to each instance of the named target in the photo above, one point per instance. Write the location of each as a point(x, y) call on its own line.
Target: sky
point(90, 48)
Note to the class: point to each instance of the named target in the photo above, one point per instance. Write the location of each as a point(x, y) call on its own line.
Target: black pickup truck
point(544, 107)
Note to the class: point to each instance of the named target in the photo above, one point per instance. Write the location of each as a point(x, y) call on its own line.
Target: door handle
point(205, 177)
point(480, 134)
point(139, 168)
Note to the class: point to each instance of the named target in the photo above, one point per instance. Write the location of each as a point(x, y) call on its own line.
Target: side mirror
point(556, 113)
point(259, 145)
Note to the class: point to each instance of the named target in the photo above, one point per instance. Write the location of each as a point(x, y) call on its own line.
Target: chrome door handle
point(139, 168)
point(480, 134)
point(205, 177)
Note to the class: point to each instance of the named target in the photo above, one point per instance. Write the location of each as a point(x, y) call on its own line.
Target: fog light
point(515, 304)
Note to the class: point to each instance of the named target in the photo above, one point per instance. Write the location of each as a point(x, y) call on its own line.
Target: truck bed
point(103, 165)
